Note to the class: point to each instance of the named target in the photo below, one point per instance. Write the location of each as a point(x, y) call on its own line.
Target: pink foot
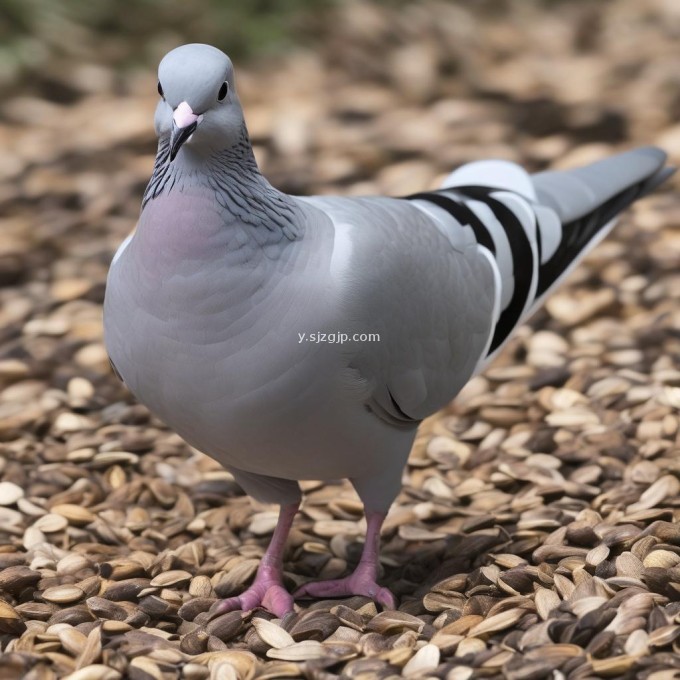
point(361, 582)
point(267, 591)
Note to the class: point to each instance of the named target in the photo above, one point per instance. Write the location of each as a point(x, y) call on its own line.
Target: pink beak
point(184, 122)
point(184, 116)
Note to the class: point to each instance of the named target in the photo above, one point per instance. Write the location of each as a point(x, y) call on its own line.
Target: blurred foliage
point(33, 33)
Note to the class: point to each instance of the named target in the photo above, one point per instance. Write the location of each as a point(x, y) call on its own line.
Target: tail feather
point(578, 192)
point(580, 234)
point(656, 180)
point(537, 240)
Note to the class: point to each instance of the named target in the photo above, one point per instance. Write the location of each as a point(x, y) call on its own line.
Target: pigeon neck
point(240, 188)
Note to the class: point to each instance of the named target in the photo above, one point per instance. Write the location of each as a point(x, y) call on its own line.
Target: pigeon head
point(199, 109)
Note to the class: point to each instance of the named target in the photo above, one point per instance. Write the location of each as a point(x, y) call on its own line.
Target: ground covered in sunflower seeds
point(537, 532)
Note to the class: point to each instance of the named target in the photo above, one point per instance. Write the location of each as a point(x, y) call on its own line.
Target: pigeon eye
point(223, 91)
point(160, 89)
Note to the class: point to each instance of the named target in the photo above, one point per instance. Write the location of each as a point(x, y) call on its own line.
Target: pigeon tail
point(586, 201)
point(538, 228)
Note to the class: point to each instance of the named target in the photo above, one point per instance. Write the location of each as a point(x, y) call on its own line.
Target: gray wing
point(428, 291)
point(445, 277)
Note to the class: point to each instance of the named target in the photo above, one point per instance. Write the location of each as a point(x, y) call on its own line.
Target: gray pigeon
point(295, 338)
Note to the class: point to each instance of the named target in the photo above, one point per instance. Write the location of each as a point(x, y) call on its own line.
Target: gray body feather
point(206, 304)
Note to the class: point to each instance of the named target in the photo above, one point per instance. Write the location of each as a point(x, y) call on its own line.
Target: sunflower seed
point(272, 634)
point(10, 493)
point(94, 672)
point(424, 660)
point(177, 577)
point(497, 622)
point(51, 523)
point(306, 650)
point(74, 514)
point(63, 594)
point(10, 621)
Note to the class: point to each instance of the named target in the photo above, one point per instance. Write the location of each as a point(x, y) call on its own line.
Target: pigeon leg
point(267, 590)
point(362, 581)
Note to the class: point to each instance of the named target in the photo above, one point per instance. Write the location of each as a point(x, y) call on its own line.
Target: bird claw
point(266, 593)
point(358, 583)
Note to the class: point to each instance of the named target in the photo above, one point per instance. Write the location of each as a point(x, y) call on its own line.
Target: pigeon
point(294, 338)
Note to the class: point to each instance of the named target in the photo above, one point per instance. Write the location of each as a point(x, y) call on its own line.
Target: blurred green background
point(41, 35)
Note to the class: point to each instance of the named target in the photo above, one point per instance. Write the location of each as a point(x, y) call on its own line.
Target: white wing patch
point(484, 359)
point(342, 251)
point(495, 174)
point(121, 248)
point(523, 212)
point(502, 245)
